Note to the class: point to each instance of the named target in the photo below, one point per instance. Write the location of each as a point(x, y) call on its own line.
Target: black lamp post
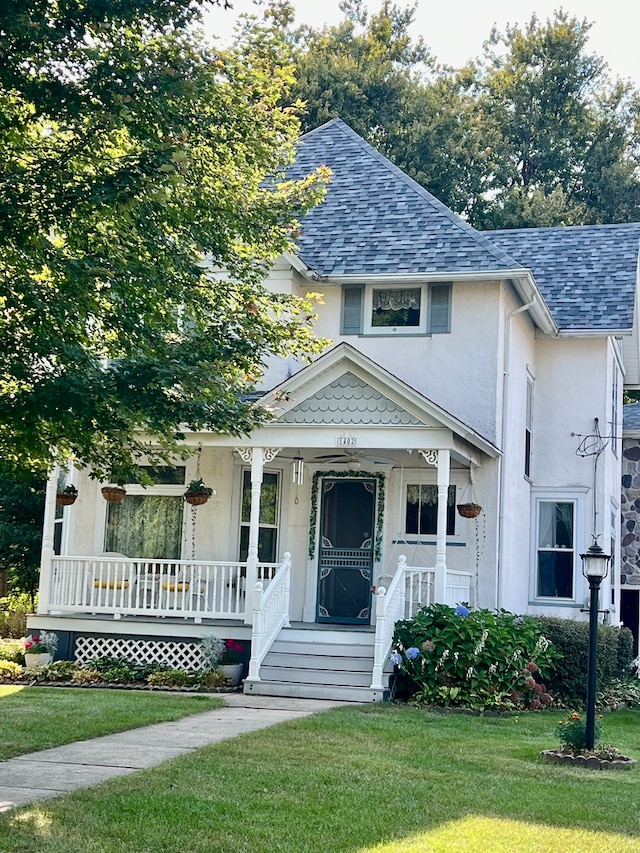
point(595, 565)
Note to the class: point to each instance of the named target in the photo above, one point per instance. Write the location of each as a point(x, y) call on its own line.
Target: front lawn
point(356, 779)
point(36, 718)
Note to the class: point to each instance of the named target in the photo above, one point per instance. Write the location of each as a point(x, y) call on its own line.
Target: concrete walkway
point(40, 775)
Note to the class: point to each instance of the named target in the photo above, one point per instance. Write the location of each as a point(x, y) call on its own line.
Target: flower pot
point(32, 661)
point(469, 510)
point(113, 494)
point(65, 499)
point(233, 671)
point(196, 498)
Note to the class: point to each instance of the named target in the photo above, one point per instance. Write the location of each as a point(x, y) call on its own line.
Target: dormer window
point(385, 310)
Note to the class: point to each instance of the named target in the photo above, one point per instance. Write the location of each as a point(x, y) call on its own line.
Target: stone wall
point(630, 509)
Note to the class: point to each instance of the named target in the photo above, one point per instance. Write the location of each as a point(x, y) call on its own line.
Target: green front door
point(346, 551)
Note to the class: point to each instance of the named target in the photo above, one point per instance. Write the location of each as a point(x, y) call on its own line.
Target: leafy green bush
point(171, 678)
point(568, 679)
point(12, 650)
point(10, 671)
point(123, 670)
point(475, 659)
point(13, 614)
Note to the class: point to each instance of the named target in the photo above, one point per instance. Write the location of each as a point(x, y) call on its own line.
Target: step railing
point(410, 589)
point(270, 615)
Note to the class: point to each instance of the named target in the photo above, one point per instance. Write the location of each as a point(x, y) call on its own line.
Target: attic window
point(384, 310)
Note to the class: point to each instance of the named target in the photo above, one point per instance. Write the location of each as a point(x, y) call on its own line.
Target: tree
point(535, 133)
point(134, 159)
point(21, 508)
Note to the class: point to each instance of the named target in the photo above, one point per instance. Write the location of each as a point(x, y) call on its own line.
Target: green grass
point(356, 780)
point(36, 718)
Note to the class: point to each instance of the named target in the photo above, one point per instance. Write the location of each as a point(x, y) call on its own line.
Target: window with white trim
point(269, 516)
point(422, 510)
point(556, 548)
point(148, 523)
point(408, 310)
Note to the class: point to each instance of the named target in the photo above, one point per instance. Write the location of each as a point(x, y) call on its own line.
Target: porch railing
point(120, 586)
point(270, 615)
point(410, 589)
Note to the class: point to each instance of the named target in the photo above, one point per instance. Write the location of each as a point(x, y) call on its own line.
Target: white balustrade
point(270, 615)
point(410, 589)
point(121, 586)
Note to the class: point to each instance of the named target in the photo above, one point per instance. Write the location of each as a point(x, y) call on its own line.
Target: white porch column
point(257, 456)
point(441, 459)
point(48, 525)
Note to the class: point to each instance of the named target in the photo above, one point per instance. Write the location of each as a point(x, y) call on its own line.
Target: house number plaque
point(346, 439)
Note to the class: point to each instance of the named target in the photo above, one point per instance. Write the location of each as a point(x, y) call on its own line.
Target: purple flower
point(412, 653)
point(461, 610)
point(396, 659)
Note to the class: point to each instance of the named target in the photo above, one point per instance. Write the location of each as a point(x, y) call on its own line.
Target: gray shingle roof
point(587, 274)
point(375, 219)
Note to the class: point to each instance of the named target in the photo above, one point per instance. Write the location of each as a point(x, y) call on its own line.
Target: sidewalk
point(86, 763)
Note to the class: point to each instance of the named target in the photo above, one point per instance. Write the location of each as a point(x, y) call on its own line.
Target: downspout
point(505, 393)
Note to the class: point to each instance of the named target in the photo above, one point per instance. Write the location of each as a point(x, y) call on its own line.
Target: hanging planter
point(197, 493)
point(469, 510)
point(67, 496)
point(113, 494)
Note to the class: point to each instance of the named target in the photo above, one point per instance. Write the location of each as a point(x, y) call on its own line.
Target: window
point(527, 429)
point(269, 515)
point(555, 549)
point(422, 309)
point(422, 510)
point(148, 522)
point(146, 526)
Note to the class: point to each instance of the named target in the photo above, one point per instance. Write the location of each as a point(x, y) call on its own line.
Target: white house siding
point(572, 383)
point(457, 370)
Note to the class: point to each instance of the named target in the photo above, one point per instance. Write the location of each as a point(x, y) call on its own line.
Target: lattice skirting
point(185, 656)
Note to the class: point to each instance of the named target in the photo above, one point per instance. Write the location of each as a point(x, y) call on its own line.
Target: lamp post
point(595, 565)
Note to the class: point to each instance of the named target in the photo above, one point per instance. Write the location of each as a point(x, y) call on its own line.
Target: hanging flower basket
point(470, 510)
point(196, 498)
point(197, 493)
point(113, 494)
point(67, 496)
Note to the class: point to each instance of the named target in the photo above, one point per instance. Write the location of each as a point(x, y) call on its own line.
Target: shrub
point(87, 676)
point(123, 670)
point(12, 650)
point(568, 678)
point(214, 679)
point(476, 659)
point(10, 671)
point(13, 614)
point(211, 650)
point(171, 678)
point(60, 670)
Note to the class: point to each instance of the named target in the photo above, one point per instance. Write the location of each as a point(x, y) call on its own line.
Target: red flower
point(28, 645)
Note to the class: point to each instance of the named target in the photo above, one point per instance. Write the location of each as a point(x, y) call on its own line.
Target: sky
point(454, 32)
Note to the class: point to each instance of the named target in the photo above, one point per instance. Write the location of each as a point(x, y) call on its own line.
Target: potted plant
point(469, 510)
point(40, 650)
point(197, 493)
point(67, 496)
point(113, 494)
point(231, 661)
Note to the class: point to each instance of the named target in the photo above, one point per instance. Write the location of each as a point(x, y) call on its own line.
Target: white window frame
point(367, 321)
point(577, 497)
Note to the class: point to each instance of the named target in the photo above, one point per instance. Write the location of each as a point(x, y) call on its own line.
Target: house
point(466, 368)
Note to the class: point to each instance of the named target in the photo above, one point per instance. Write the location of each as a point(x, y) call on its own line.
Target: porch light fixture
point(595, 567)
point(297, 470)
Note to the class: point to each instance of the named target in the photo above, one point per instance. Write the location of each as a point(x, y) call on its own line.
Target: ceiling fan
point(353, 457)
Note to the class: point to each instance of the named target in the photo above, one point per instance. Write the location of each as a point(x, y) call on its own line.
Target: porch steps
point(320, 664)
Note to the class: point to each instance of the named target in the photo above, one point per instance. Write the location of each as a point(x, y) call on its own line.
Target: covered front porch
point(340, 514)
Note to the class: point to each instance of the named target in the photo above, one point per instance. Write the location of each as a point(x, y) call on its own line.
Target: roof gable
point(587, 274)
point(349, 400)
point(377, 220)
